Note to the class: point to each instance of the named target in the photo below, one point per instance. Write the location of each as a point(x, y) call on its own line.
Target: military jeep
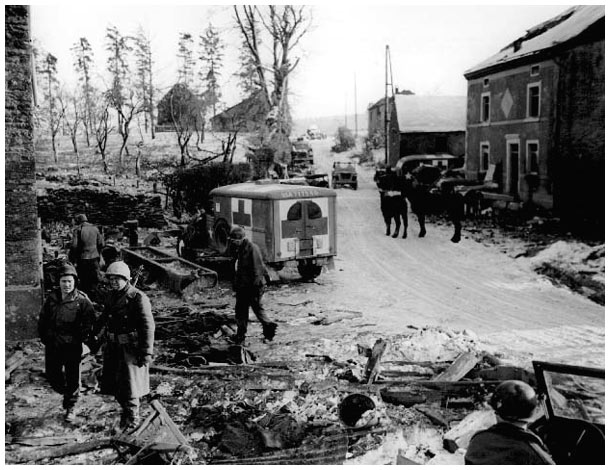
point(344, 174)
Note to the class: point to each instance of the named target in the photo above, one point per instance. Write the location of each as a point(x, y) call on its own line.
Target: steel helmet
point(237, 233)
point(80, 218)
point(68, 270)
point(119, 268)
point(514, 400)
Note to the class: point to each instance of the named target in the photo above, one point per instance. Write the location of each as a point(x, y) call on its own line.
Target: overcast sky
point(342, 56)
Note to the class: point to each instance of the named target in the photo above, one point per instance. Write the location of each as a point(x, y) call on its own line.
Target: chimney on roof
point(517, 45)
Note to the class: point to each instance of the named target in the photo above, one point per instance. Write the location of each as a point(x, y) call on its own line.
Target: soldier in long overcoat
point(130, 337)
point(65, 322)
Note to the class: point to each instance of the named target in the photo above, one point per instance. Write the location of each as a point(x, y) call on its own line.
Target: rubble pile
point(103, 206)
point(358, 400)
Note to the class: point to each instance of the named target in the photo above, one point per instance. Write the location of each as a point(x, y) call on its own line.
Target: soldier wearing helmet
point(87, 244)
point(510, 441)
point(249, 285)
point(65, 322)
point(130, 327)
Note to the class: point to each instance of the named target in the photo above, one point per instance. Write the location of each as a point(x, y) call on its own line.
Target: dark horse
point(393, 202)
point(427, 194)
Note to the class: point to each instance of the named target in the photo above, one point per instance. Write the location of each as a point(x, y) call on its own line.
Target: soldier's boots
point(70, 415)
point(269, 330)
point(237, 339)
point(131, 417)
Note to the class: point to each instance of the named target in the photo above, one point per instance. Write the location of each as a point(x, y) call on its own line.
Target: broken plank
point(458, 369)
point(372, 365)
point(14, 362)
point(433, 415)
point(458, 437)
point(169, 423)
point(63, 451)
point(41, 441)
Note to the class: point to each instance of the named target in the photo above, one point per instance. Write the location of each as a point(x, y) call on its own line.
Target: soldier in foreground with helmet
point(65, 321)
point(510, 441)
point(130, 328)
point(249, 285)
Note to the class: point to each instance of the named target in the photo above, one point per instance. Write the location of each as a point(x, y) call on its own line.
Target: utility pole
point(390, 83)
point(355, 109)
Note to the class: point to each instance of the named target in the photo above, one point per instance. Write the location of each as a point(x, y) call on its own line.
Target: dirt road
point(395, 283)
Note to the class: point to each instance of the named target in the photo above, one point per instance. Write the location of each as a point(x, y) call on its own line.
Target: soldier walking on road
point(87, 244)
point(249, 285)
point(130, 327)
point(65, 321)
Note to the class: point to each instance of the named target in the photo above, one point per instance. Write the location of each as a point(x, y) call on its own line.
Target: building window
point(533, 154)
point(485, 99)
point(535, 70)
point(533, 100)
point(486, 82)
point(484, 156)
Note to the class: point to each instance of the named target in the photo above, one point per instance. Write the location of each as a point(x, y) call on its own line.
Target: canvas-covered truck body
point(290, 224)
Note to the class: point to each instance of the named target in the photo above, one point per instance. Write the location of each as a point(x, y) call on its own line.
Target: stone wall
point(23, 255)
point(102, 206)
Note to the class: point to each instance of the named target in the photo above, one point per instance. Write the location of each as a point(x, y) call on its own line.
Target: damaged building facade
point(420, 124)
point(23, 255)
point(536, 111)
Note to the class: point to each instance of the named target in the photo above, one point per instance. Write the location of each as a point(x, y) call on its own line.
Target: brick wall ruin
point(23, 256)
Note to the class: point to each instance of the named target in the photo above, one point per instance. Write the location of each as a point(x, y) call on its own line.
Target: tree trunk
point(54, 147)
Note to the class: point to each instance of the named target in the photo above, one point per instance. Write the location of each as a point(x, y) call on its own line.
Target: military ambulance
point(292, 225)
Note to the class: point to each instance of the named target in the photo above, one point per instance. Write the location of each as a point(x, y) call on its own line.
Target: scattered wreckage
point(217, 403)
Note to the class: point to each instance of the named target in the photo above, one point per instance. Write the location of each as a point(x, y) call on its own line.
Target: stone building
point(536, 111)
point(23, 249)
point(420, 124)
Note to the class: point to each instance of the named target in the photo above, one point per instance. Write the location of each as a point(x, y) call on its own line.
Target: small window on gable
point(535, 70)
point(486, 82)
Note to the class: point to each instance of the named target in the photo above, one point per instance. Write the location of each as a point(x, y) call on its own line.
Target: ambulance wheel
point(309, 271)
point(221, 235)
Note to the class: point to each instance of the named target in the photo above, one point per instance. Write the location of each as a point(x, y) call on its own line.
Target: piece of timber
point(372, 365)
point(63, 451)
point(458, 369)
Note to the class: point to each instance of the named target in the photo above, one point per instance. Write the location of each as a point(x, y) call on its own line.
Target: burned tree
point(73, 118)
point(102, 128)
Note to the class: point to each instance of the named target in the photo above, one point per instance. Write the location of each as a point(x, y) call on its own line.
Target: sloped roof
point(559, 29)
point(419, 113)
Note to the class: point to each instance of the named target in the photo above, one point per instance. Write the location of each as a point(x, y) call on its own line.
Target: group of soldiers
point(121, 320)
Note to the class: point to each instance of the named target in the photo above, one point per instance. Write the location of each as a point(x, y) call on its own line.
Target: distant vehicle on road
point(302, 153)
point(344, 174)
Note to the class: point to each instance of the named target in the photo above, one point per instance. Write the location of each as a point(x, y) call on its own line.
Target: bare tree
point(144, 63)
point(284, 26)
point(48, 68)
point(120, 96)
point(83, 61)
point(185, 56)
point(129, 107)
point(211, 55)
point(103, 129)
point(73, 117)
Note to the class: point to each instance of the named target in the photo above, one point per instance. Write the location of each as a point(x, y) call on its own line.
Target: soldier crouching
point(130, 329)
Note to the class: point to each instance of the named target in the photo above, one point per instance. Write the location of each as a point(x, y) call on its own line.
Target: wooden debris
point(406, 398)
point(433, 415)
point(459, 436)
point(372, 366)
point(506, 373)
point(63, 451)
point(364, 350)
point(12, 363)
point(458, 369)
point(402, 460)
point(41, 441)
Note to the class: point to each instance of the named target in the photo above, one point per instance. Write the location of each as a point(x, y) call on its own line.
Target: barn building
point(22, 243)
point(536, 112)
point(246, 116)
point(420, 124)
